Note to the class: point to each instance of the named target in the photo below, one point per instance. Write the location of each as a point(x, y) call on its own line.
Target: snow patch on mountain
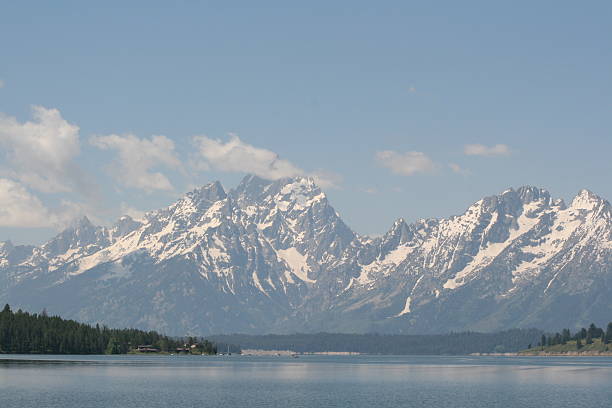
point(297, 262)
point(385, 265)
point(492, 250)
point(406, 308)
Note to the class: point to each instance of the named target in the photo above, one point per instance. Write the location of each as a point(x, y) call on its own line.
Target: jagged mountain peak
point(529, 194)
point(210, 192)
point(399, 234)
point(79, 229)
point(80, 237)
point(123, 226)
point(251, 180)
point(299, 185)
point(400, 229)
point(511, 203)
point(192, 205)
point(587, 200)
point(256, 190)
point(297, 192)
point(81, 223)
point(6, 247)
point(251, 184)
point(398, 224)
point(202, 197)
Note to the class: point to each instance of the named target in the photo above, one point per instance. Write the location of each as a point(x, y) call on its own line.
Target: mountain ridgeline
point(275, 257)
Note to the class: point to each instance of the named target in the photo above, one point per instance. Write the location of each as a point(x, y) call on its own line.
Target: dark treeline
point(445, 344)
point(582, 337)
point(25, 333)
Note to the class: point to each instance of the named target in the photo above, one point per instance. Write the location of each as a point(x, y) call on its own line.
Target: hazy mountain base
point(443, 344)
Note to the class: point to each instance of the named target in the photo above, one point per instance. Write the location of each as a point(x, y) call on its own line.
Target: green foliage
point(205, 347)
point(591, 339)
point(566, 336)
point(25, 333)
point(113, 347)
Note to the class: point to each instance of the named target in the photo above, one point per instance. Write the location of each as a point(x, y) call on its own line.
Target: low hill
point(570, 348)
point(587, 341)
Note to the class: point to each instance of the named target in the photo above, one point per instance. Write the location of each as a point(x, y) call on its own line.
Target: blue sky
point(401, 109)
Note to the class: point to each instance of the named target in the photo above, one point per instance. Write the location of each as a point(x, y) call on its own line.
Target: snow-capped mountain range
point(274, 256)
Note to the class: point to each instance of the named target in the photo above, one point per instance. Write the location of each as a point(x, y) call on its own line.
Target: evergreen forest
point(25, 333)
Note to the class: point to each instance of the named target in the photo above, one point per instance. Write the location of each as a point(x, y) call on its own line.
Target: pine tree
point(113, 346)
point(594, 331)
point(565, 336)
point(163, 345)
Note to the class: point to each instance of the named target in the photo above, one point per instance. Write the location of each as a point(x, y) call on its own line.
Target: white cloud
point(405, 164)
point(1, 83)
point(20, 208)
point(458, 169)
point(70, 211)
point(237, 156)
point(137, 158)
point(240, 157)
point(136, 214)
point(41, 151)
point(326, 179)
point(482, 150)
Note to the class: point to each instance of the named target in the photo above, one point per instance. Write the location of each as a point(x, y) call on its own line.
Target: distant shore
point(549, 354)
point(259, 352)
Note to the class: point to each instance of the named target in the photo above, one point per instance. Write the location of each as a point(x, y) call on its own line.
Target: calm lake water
point(309, 381)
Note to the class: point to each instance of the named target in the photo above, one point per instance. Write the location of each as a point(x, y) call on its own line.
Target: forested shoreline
point(588, 340)
point(25, 333)
point(31, 333)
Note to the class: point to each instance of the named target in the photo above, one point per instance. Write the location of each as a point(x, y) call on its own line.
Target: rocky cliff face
point(274, 256)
